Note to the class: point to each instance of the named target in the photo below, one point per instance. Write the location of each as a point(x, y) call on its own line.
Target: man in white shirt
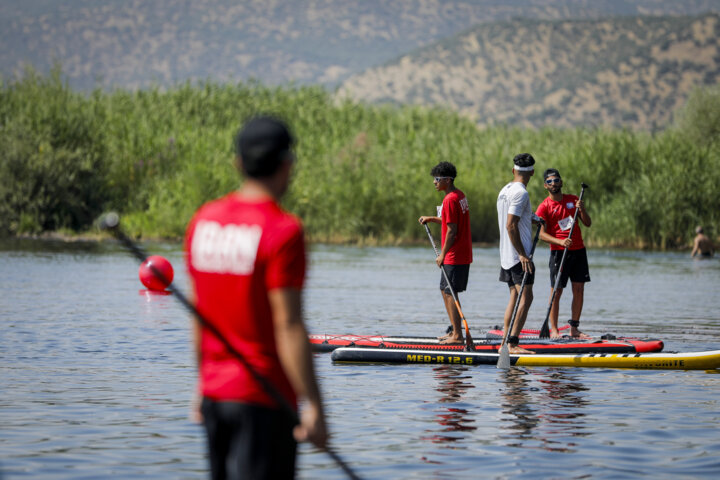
point(515, 219)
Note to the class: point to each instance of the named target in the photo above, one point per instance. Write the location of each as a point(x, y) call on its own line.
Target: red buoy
point(156, 273)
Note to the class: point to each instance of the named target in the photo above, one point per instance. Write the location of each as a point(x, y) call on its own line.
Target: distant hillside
point(619, 71)
point(133, 43)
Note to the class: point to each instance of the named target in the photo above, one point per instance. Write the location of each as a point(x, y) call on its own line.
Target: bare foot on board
point(518, 349)
point(575, 333)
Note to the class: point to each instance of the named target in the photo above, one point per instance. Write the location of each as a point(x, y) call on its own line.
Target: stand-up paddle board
point(654, 361)
point(567, 345)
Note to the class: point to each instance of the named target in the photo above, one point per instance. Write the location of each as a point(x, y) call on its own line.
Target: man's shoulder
point(455, 195)
point(547, 201)
point(518, 190)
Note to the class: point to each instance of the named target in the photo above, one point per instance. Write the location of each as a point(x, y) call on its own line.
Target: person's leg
point(443, 286)
point(218, 440)
point(579, 274)
point(555, 259)
point(554, 313)
point(520, 278)
point(578, 290)
point(456, 336)
point(264, 448)
point(523, 308)
point(520, 317)
point(510, 307)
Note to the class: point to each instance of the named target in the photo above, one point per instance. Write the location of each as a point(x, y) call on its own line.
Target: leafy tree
point(699, 120)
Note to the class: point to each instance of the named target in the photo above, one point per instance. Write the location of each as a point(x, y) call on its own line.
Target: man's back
point(237, 252)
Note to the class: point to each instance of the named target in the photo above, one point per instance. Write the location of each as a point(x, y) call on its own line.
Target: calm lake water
point(97, 374)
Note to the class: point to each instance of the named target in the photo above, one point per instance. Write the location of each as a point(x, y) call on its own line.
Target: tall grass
point(362, 174)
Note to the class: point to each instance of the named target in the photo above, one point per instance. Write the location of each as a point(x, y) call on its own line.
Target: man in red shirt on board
point(246, 259)
point(558, 211)
point(456, 252)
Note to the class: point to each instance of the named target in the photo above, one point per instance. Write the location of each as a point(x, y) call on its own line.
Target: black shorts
point(514, 275)
point(248, 441)
point(458, 275)
point(576, 267)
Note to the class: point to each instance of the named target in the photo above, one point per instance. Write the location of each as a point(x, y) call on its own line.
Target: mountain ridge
point(135, 44)
point(615, 71)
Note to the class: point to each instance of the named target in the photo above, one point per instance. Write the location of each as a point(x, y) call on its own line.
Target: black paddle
point(504, 353)
point(545, 331)
point(111, 222)
point(469, 344)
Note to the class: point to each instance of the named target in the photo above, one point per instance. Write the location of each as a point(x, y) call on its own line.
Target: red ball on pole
point(156, 273)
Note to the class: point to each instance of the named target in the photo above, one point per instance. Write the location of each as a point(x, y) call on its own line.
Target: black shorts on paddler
point(458, 275)
point(249, 441)
point(514, 275)
point(575, 267)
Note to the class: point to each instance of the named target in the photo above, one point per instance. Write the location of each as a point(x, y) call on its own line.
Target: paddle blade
point(545, 331)
point(469, 343)
point(504, 356)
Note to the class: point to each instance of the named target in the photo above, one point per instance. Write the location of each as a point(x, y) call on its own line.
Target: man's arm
point(696, 247)
point(296, 359)
point(514, 234)
point(423, 220)
point(583, 214)
point(547, 238)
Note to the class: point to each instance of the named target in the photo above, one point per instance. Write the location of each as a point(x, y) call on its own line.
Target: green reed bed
point(362, 173)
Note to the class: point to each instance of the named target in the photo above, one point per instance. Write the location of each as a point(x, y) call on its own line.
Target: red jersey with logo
point(558, 218)
point(237, 251)
point(455, 210)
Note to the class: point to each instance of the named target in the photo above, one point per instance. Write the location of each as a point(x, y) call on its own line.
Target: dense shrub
point(362, 172)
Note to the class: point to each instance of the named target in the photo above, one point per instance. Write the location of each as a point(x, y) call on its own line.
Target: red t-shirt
point(558, 218)
point(237, 251)
point(455, 210)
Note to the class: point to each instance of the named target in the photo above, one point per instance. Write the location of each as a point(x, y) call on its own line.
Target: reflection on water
point(517, 403)
point(453, 382)
point(553, 398)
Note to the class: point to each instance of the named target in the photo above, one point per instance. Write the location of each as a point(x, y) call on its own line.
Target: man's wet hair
point(262, 144)
point(444, 169)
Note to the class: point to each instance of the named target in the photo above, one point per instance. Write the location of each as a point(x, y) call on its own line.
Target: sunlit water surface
point(97, 374)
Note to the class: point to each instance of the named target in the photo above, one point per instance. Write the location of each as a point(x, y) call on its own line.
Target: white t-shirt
point(514, 199)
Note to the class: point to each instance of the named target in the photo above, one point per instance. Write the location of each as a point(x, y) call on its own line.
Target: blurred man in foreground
point(246, 259)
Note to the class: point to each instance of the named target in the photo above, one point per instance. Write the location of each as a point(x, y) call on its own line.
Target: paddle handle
point(544, 330)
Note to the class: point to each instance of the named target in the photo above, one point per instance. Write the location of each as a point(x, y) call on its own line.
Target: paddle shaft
point(522, 287)
point(545, 331)
point(470, 345)
point(266, 385)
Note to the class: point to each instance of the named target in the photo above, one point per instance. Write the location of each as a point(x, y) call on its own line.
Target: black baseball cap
point(261, 144)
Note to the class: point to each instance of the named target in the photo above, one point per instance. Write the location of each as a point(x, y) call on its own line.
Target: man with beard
point(558, 211)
